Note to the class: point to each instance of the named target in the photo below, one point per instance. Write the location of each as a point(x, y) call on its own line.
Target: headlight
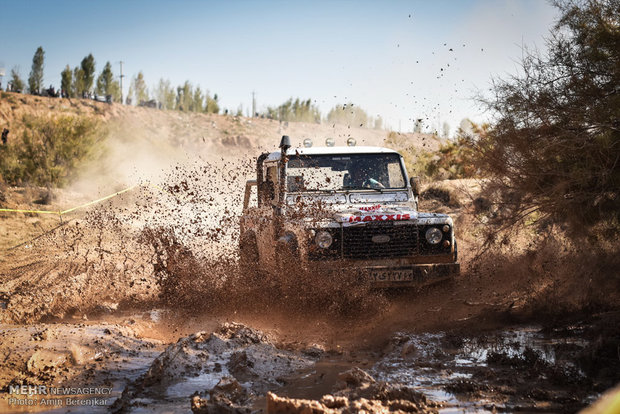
point(323, 239)
point(433, 235)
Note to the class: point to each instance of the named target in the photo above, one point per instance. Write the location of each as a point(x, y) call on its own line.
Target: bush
point(50, 151)
point(453, 159)
point(554, 148)
point(457, 159)
point(417, 160)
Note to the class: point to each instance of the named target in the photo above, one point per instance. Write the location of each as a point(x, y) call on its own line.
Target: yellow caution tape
point(99, 200)
point(60, 213)
point(10, 210)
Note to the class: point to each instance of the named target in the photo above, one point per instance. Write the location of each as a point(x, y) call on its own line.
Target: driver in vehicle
point(360, 178)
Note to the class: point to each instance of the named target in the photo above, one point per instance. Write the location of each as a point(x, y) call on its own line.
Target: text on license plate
point(391, 275)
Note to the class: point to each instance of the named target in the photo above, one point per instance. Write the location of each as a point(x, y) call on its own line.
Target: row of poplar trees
point(80, 82)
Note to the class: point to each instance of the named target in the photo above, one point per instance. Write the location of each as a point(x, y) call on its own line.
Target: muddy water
point(510, 370)
point(517, 369)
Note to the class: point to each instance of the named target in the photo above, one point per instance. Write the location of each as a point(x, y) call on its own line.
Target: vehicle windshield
point(336, 172)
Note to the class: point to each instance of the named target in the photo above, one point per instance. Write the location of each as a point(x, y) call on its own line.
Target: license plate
point(391, 275)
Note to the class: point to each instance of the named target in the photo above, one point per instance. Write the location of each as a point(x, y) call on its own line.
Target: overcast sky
point(399, 59)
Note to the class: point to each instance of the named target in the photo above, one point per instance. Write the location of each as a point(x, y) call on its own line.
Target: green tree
point(35, 80)
point(296, 111)
point(554, 148)
point(88, 72)
point(197, 101)
point(106, 85)
point(212, 106)
point(16, 80)
point(66, 81)
point(79, 87)
point(164, 93)
point(185, 97)
point(138, 88)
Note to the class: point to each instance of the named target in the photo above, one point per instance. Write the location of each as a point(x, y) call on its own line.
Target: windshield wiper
point(317, 190)
point(363, 189)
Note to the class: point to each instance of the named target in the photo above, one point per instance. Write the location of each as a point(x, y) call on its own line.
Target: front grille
point(358, 241)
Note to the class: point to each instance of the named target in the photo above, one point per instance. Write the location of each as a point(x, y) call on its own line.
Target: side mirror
point(415, 186)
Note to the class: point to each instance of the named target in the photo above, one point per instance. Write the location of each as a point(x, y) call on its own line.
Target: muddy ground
point(137, 305)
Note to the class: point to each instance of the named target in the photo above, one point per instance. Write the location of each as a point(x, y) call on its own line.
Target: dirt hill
point(209, 135)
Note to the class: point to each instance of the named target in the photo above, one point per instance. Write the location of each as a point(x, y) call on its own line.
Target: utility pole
point(122, 76)
point(253, 104)
point(2, 73)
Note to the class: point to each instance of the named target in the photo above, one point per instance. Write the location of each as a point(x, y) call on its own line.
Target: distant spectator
point(5, 136)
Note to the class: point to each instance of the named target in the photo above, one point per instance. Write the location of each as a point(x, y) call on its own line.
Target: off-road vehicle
point(343, 208)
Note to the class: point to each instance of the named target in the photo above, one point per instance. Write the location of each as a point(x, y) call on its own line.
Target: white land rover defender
point(343, 208)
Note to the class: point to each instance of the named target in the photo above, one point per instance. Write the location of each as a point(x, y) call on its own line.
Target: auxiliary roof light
point(351, 142)
point(307, 142)
point(330, 142)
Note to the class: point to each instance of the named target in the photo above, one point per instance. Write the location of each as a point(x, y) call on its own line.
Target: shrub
point(457, 159)
point(51, 150)
point(554, 148)
point(453, 159)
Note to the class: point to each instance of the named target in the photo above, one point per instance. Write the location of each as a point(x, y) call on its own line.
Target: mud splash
point(173, 245)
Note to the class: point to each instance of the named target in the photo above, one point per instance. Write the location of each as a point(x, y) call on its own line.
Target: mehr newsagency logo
point(31, 395)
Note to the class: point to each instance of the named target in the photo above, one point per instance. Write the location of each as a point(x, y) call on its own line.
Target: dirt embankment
point(218, 135)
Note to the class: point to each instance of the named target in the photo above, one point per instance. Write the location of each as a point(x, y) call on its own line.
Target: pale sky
point(399, 59)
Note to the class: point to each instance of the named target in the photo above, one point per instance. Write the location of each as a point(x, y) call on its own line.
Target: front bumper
point(402, 272)
point(412, 275)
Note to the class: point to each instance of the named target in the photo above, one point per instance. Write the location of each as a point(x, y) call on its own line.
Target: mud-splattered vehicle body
point(348, 208)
